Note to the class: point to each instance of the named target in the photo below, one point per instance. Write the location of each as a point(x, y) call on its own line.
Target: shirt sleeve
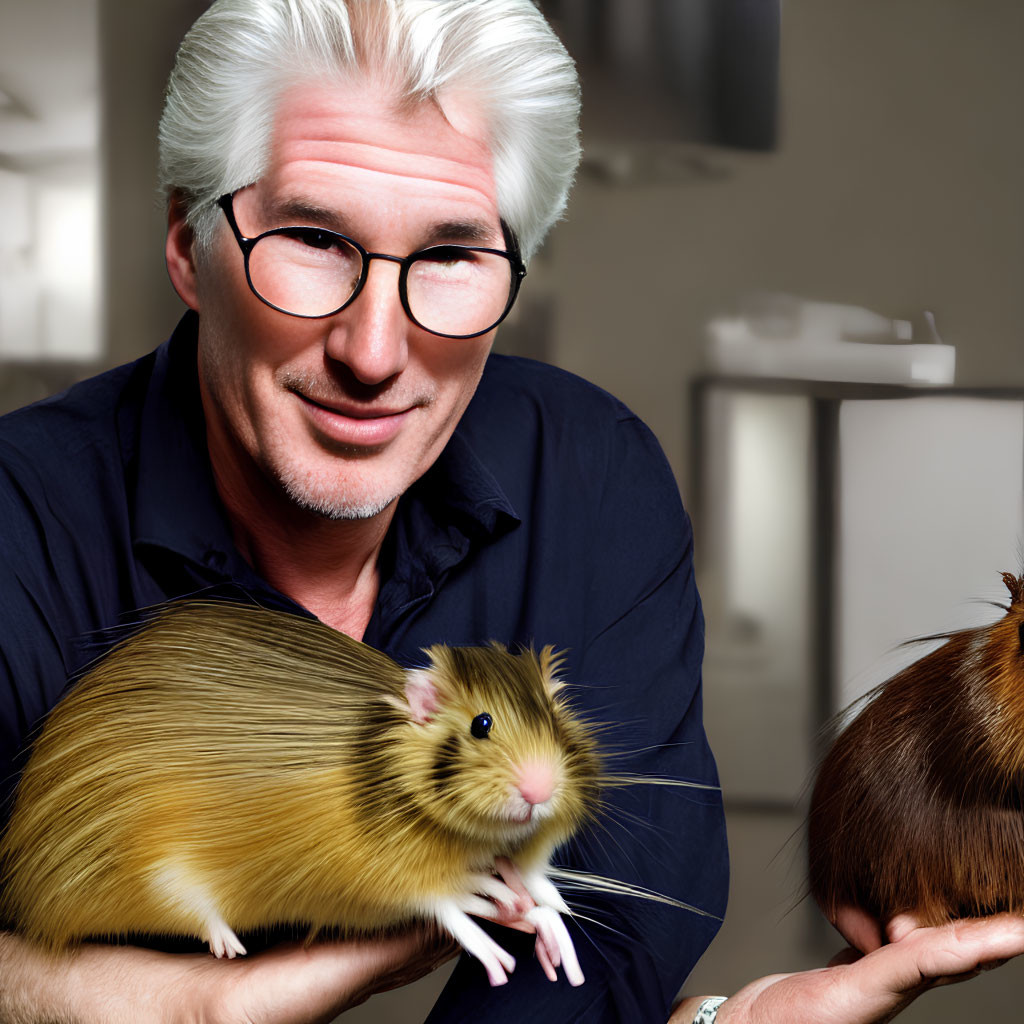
point(640, 672)
point(33, 669)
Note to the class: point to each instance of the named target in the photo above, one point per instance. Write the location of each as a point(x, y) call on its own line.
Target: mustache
point(341, 385)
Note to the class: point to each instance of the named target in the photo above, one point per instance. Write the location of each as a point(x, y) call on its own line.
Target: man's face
point(347, 411)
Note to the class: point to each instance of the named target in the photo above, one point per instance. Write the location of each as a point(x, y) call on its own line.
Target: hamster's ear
point(421, 693)
point(550, 663)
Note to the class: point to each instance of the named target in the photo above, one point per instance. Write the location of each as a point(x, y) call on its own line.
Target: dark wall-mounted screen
point(686, 70)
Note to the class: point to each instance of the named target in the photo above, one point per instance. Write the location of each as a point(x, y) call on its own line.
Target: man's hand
point(873, 984)
point(290, 984)
point(297, 984)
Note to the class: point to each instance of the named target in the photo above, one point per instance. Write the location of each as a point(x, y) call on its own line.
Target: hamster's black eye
point(481, 726)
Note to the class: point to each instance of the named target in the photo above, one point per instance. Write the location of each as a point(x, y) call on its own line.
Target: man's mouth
point(353, 410)
point(353, 423)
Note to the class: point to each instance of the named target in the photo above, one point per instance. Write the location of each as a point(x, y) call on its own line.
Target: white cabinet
point(834, 523)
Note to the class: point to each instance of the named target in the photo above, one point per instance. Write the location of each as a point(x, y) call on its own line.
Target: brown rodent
point(229, 768)
point(919, 805)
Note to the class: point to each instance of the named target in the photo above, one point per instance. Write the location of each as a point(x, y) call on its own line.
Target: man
point(306, 438)
point(351, 189)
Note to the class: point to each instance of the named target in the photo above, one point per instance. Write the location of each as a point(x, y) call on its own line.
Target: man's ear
point(180, 254)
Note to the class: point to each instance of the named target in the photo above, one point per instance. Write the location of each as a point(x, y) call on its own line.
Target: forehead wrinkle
point(403, 151)
point(326, 149)
point(354, 113)
point(343, 126)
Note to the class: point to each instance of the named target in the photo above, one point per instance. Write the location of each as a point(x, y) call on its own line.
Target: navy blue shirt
point(551, 517)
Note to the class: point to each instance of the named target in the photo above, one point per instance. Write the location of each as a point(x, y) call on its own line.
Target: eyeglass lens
point(450, 290)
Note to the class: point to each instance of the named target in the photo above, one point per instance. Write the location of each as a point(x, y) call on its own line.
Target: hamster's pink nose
point(536, 781)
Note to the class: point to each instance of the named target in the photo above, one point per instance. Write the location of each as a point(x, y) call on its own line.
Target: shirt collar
point(176, 502)
point(461, 483)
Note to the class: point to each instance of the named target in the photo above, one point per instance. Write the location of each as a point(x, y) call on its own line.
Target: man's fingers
point(867, 989)
point(511, 877)
point(964, 947)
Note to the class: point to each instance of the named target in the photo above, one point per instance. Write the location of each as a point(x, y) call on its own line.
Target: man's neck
point(327, 566)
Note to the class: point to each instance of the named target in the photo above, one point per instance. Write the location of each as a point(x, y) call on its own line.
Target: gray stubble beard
point(337, 510)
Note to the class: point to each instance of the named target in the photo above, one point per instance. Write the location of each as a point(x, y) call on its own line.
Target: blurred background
point(795, 248)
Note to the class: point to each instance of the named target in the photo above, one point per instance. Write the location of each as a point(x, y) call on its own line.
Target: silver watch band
point(707, 1012)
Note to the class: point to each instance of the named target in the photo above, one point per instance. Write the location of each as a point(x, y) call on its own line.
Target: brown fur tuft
point(1015, 585)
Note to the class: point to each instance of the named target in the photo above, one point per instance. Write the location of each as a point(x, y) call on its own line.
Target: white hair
point(238, 58)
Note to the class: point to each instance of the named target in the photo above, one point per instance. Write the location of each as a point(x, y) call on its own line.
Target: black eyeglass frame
point(226, 201)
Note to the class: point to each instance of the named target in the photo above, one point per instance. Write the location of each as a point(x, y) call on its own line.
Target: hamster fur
point(172, 793)
point(918, 805)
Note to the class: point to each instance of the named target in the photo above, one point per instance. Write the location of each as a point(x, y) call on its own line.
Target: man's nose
point(371, 336)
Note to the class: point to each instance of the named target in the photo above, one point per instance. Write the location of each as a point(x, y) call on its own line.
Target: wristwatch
point(707, 1012)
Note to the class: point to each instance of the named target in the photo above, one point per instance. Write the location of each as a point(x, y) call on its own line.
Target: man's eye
point(319, 239)
point(313, 237)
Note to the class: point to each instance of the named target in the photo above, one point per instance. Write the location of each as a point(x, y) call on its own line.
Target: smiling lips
point(359, 426)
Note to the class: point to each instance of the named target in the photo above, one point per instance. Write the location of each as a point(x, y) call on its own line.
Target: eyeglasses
point(455, 291)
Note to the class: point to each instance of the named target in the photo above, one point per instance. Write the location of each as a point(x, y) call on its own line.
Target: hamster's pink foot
point(223, 941)
point(498, 962)
point(554, 944)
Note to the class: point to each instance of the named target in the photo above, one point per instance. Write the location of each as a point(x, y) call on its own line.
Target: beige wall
point(137, 46)
point(898, 185)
